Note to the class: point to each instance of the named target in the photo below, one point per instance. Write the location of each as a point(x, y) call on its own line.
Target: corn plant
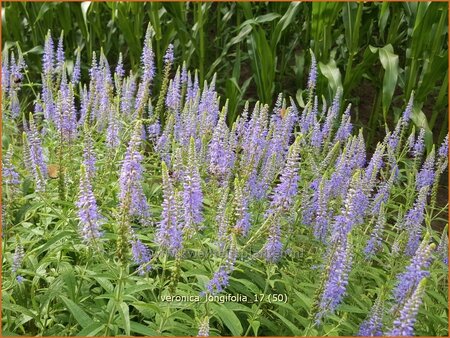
point(134, 210)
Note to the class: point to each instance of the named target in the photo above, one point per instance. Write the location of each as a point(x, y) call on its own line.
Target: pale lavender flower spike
point(18, 257)
point(203, 330)
point(168, 57)
point(415, 271)
point(131, 195)
point(426, 175)
point(443, 149)
point(338, 271)
point(169, 234)
point(88, 213)
point(312, 79)
point(141, 255)
point(192, 193)
point(408, 110)
point(48, 56)
point(119, 68)
point(60, 58)
point(285, 191)
point(9, 173)
point(419, 145)
point(76, 74)
point(373, 325)
point(148, 63)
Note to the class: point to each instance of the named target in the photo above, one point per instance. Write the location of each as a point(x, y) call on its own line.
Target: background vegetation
point(378, 53)
point(385, 50)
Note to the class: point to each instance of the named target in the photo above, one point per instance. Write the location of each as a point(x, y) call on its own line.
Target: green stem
point(266, 287)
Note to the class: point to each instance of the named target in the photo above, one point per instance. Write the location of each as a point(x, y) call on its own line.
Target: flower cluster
point(88, 213)
point(274, 176)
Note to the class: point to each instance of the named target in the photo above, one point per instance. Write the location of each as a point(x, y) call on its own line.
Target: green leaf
point(142, 329)
point(351, 309)
point(91, 330)
point(267, 17)
point(229, 319)
point(420, 120)
point(35, 50)
point(294, 329)
point(37, 251)
point(389, 60)
point(68, 276)
point(80, 316)
point(255, 326)
point(284, 22)
point(125, 315)
point(333, 74)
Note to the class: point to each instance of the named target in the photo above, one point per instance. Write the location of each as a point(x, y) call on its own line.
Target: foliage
point(385, 50)
point(128, 207)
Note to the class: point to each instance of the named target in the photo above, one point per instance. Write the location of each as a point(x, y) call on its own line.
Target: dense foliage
point(132, 211)
point(379, 52)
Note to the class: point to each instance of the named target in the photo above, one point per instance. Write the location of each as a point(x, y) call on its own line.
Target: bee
point(15, 81)
point(283, 112)
point(53, 171)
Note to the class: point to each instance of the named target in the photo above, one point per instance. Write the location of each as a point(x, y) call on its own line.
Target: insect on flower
point(53, 171)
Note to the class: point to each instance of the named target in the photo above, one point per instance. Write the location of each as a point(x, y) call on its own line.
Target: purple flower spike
point(141, 256)
point(119, 68)
point(203, 330)
point(375, 164)
point(323, 215)
point(312, 79)
point(168, 57)
point(147, 58)
point(337, 280)
point(18, 257)
point(90, 218)
point(219, 152)
point(272, 250)
point(404, 324)
point(373, 325)
point(221, 277)
point(112, 133)
point(374, 242)
point(419, 145)
point(169, 235)
point(408, 110)
point(241, 208)
point(76, 74)
point(184, 74)
point(426, 175)
point(89, 158)
point(173, 98)
point(222, 219)
point(5, 74)
point(9, 173)
point(132, 197)
point(345, 128)
point(59, 67)
point(286, 190)
point(36, 151)
point(219, 281)
point(413, 221)
point(415, 272)
point(48, 56)
point(443, 149)
point(442, 249)
point(192, 194)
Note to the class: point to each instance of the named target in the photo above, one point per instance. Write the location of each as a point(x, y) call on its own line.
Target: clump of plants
point(128, 211)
